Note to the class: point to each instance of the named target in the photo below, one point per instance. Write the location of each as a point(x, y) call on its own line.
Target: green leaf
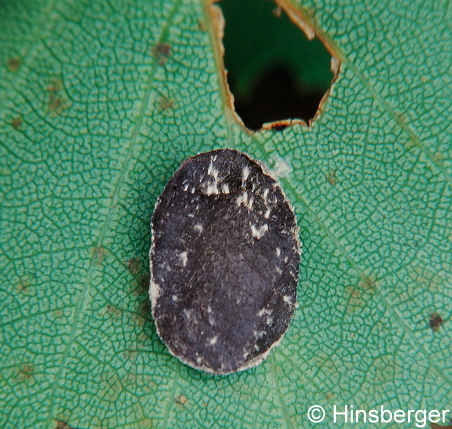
point(99, 104)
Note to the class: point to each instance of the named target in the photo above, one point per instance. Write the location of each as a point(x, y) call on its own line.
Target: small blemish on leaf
point(23, 285)
point(55, 85)
point(134, 265)
point(182, 399)
point(13, 64)
point(165, 103)
point(98, 254)
point(435, 322)
point(367, 283)
point(144, 309)
point(62, 425)
point(58, 314)
point(438, 157)
point(281, 167)
point(436, 426)
point(355, 293)
point(162, 51)
point(144, 281)
point(114, 311)
point(332, 177)
point(16, 122)
point(140, 321)
point(143, 305)
point(355, 301)
point(25, 372)
point(56, 103)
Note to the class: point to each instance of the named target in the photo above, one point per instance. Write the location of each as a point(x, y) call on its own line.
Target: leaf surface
point(99, 104)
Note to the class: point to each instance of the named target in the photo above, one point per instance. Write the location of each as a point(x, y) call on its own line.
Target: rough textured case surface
point(224, 262)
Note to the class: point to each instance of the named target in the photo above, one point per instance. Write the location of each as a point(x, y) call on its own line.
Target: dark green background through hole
point(274, 71)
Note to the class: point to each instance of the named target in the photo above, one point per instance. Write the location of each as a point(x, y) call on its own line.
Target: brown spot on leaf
point(355, 301)
point(144, 309)
point(16, 122)
point(143, 306)
point(162, 51)
point(165, 103)
point(13, 64)
point(436, 426)
point(56, 84)
point(114, 311)
point(140, 321)
point(58, 314)
point(182, 399)
point(56, 103)
point(22, 288)
point(331, 177)
point(367, 283)
point(62, 425)
point(23, 285)
point(144, 282)
point(355, 293)
point(150, 386)
point(98, 254)
point(435, 321)
point(25, 371)
point(134, 265)
point(438, 157)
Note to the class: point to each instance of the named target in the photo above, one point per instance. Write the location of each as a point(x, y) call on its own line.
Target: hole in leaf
point(276, 74)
